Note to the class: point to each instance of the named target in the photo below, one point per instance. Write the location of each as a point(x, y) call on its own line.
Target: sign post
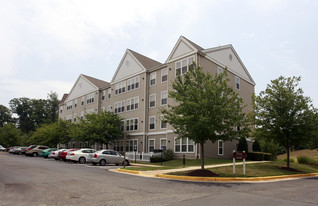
point(239, 156)
point(135, 149)
point(234, 155)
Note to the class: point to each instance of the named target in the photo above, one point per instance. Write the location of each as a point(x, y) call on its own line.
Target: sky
point(46, 45)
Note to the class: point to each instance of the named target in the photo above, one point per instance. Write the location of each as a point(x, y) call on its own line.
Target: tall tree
point(5, 115)
point(283, 113)
point(10, 135)
point(102, 128)
point(207, 108)
point(52, 106)
point(22, 107)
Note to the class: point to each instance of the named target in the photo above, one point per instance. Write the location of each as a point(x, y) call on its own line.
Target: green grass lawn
point(261, 170)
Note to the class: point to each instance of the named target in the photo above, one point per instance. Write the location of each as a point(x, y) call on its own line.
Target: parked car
point(36, 150)
point(103, 157)
point(63, 154)
point(29, 148)
point(2, 149)
point(55, 154)
point(45, 153)
point(11, 149)
point(18, 150)
point(80, 155)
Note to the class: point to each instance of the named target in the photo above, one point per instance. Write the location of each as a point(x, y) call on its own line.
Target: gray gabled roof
point(146, 62)
point(97, 82)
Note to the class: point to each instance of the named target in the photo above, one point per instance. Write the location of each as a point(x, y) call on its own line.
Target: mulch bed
point(289, 169)
point(202, 173)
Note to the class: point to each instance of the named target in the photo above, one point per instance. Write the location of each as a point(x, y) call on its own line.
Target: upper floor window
point(133, 83)
point(120, 106)
point(75, 103)
point(164, 75)
point(164, 98)
point(120, 87)
point(153, 78)
point(69, 105)
point(61, 109)
point(90, 98)
point(75, 117)
point(184, 65)
point(220, 70)
point(132, 104)
point(103, 95)
point(237, 82)
point(132, 124)
point(163, 125)
point(82, 99)
point(109, 93)
point(152, 100)
point(152, 123)
point(82, 114)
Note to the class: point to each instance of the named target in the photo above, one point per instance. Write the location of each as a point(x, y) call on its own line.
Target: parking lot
point(38, 181)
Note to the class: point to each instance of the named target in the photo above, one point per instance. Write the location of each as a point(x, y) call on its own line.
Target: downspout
point(145, 112)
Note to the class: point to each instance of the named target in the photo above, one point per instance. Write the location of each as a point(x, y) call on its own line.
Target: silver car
point(103, 157)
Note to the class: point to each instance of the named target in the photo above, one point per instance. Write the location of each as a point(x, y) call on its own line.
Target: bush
point(260, 156)
point(269, 157)
point(256, 146)
point(291, 160)
point(303, 160)
point(242, 145)
point(168, 155)
point(156, 158)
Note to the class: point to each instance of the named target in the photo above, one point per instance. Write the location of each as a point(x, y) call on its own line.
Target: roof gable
point(133, 63)
point(227, 56)
point(81, 87)
point(183, 48)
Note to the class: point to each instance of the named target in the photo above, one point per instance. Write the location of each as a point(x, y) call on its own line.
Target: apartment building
point(139, 90)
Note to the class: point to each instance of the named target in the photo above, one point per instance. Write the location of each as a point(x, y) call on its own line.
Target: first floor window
point(163, 144)
point(183, 145)
point(151, 145)
point(220, 147)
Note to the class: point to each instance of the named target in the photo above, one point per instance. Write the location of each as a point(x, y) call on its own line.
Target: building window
point(82, 114)
point(184, 65)
point(120, 106)
point(69, 105)
point(164, 98)
point(152, 100)
point(130, 145)
point(82, 100)
point(69, 118)
point(103, 95)
point(151, 145)
point(75, 117)
point(237, 82)
point(109, 108)
point(90, 111)
point(163, 125)
point(109, 93)
point(220, 70)
point(163, 144)
point(184, 145)
point(132, 104)
point(152, 123)
point(75, 103)
point(164, 75)
point(153, 76)
point(132, 124)
point(90, 98)
point(220, 147)
point(61, 109)
point(120, 87)
point(133, 83)
point(122, 125)
point(103, 109)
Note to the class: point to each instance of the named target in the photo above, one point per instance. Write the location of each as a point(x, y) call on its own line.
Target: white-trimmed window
point(153, 77)
point(61, 109)
point(152, 100)
point(69, 105)
point(90, 111)
point(163, 144)
point(184, 65)
point(103, 95)
point(163, 125)
point(133, 83)
point(82, 114)
point(220, 70)
point(109, 108)
point(131, 144)
point(90, 98)
point(220, 147)
point(151, 145)
point(119, 106)
point(132, 124)
point(164, 75)
point(152, 123)
point(69, 118)
point(237, 82)
point(75, 103)
point(109, 93)
point(75, 117)
point(120, 87)
point(82, 100)
point(103, 109)
point(164, 98)
point(122, 125)
point(132, 104)
point(184, 145)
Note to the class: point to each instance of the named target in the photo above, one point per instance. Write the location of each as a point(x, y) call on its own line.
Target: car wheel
point(20, 153)
point(82, 160)
point(102, 163)
point(126, 162)
point(34, 154)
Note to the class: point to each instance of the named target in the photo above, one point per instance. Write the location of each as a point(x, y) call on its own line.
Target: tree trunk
point(202, 155)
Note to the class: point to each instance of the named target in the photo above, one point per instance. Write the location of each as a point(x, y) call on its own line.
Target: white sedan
point(53, 154)
point(80, 155)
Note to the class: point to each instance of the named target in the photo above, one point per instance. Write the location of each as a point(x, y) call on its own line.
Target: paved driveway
point(37, 181)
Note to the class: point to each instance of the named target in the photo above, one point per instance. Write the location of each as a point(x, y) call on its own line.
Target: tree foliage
point(242, 145)
point(256, 146)
point(10, 135)
point(5, 115)
point(284, 114)
point(207, 108)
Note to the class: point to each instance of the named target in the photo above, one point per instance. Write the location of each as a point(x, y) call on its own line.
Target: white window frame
point(186, 61)
point(180, 143)
point(153, 76)
point(134, 120)
point(75, 103)
point(164, 72)
point(75, 117)
point(109, 93)
point(151, 95)
point(109, 108)
point(161, 123)
point(219, 154)
point(237, 83)
point(162, 98)
point(103, 95)
point(83, 101)
point(154, 122)
point(154, 144)
point(161, 143)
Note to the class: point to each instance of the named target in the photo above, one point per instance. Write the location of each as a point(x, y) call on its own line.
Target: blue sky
point(46, 45)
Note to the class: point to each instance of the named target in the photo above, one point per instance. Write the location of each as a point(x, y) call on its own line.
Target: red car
point(62, 155)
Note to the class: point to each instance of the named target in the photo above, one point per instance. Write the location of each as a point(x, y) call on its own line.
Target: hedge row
point(260, 156)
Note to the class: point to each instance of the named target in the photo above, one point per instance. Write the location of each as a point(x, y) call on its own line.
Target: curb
point(221, 179)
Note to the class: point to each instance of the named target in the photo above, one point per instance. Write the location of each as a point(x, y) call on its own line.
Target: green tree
point(283, 113)
point(10, 135)
point(256, 146)
point(207, 108)
point(242, 145)
point(22, 107)
point(5, 115)
point(52, 106)
point(102, 128)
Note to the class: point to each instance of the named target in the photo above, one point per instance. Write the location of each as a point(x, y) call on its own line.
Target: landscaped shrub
point(256, 146)
point(156, 158)
point(168, 155)
point(242, 145)
point(304, 160)
point(255, 156)
point(269, 157)
point(291, 160)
